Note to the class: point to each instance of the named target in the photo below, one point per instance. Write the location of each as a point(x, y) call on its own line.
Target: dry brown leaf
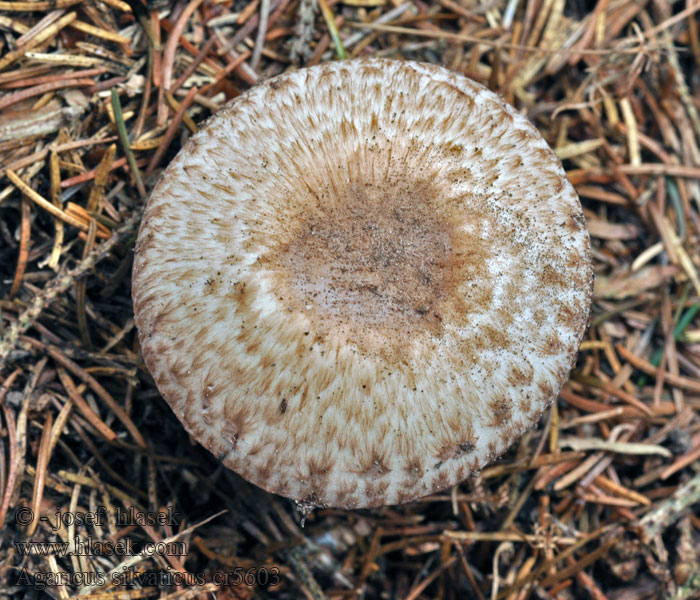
point(612, 231)
point(625, 284)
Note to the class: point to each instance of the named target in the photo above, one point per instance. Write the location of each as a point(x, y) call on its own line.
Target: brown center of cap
point(377, 262)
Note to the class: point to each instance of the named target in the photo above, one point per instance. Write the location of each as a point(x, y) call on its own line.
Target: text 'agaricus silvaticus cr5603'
point(359, 283)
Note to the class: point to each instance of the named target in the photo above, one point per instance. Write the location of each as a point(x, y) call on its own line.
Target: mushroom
point(360, 282)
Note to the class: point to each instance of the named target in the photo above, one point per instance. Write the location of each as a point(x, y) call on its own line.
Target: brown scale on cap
point(360, 282)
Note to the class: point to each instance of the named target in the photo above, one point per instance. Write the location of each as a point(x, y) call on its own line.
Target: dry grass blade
point(39, 5)
point(619, 447)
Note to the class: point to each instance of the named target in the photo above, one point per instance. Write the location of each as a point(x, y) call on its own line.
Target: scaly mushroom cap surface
point(359, 283)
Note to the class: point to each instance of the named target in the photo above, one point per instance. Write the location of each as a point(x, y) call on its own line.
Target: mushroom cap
point(360, 282)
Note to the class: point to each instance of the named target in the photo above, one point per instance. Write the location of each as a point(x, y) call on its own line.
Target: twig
point(670, 510)
point(260, 37)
